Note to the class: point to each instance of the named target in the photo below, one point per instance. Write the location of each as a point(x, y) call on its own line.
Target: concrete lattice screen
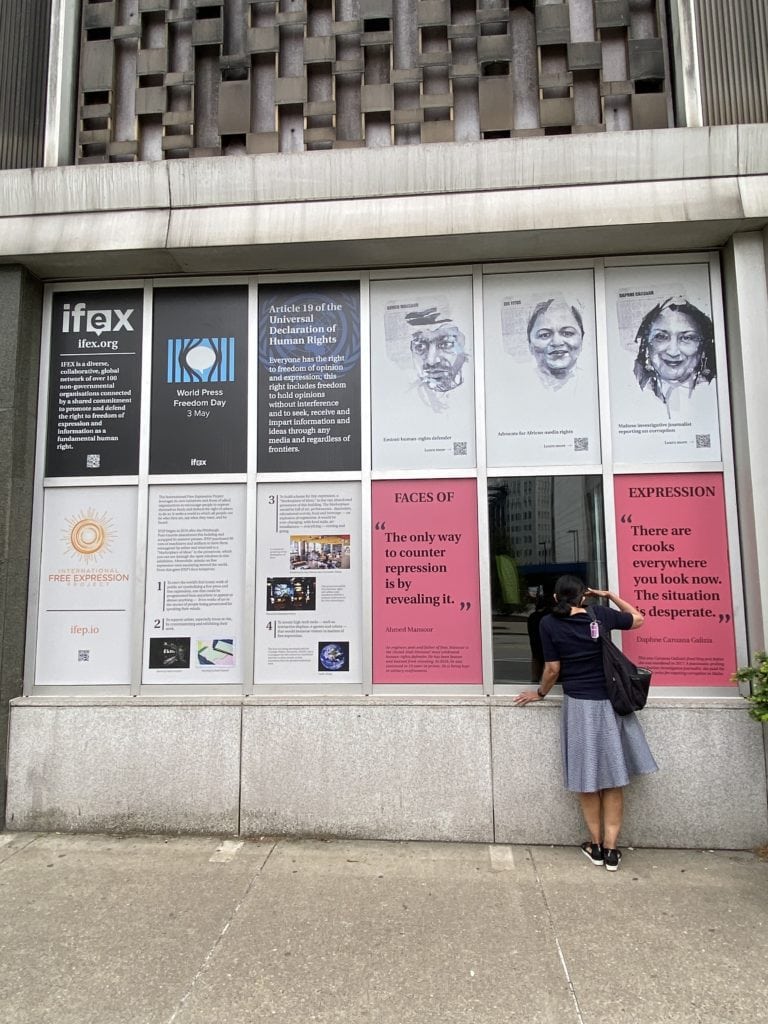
point(178, 78)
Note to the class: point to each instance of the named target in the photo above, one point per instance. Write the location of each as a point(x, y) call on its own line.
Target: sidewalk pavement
point(157, 930)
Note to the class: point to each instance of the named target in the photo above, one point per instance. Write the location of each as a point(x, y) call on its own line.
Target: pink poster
point(426, 591)
point(673, 565)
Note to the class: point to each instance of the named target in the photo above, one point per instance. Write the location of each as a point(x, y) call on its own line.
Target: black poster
point(309, 377)
point(199, 380)
point(94, 384)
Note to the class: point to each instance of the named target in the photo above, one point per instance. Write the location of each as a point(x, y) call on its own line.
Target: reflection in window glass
point(540, 528)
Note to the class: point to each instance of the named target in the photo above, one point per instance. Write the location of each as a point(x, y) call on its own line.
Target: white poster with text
point(193, 620)
point(308, 584)
point(85, 611)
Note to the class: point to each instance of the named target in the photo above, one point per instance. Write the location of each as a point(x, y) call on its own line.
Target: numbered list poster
point(193, 622)
point(426, 591)
point(308, 584)
point(673, 566)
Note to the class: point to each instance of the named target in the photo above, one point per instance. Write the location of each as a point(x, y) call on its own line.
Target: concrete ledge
point(710, 790)
point(123, 769)
point(380, 772)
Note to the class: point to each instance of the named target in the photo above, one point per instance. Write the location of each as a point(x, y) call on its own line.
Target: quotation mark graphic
point(381, 526)
point(724, 617)
point(626, 518)
point(465, 606)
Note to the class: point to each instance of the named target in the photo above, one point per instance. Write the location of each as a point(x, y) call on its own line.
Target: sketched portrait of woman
point(555, 340)
point(675, 349)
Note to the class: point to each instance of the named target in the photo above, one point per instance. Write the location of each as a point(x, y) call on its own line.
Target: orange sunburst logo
point(88, 535)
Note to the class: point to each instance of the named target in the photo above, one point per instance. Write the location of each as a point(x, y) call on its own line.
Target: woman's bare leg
point(590, 809)
point(612, 801)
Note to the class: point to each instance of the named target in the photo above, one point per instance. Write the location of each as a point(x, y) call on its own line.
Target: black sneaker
point(612, 859)
point(594, 851)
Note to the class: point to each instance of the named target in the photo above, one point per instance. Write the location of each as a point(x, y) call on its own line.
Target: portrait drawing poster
point(662, 364)
point(422, 400)
point(541, 369)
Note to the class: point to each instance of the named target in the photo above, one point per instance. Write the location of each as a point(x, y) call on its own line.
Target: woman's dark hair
point(542, 307)
point(569, 592)
point(705, 367)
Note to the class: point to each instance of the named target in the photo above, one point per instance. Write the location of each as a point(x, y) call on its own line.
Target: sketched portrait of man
point(675, 350)
point(555, 339)
point(439, 353)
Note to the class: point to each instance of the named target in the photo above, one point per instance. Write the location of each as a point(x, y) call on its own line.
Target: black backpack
point(627, 684)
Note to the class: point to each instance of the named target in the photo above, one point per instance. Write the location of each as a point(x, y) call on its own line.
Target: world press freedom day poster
point(199, 380)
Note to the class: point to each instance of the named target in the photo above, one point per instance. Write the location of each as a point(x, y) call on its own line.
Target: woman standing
point(601, 750)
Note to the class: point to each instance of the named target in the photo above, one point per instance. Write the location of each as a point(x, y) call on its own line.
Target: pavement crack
point(561, 955)
point(216, 943)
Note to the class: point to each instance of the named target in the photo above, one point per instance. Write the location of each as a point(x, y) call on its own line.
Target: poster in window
point(193, 619)
point(95, 384)
point(662, 364)
point(422, 374)
point(673, 566)
point(541, 369)
point(309, 377)
point(199, 380)
point(426, 590)
point(308, 594)
point(87, 581)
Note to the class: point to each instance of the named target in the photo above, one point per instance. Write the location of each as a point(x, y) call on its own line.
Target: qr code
point(459, 447)
point(581, 444)
point(83, 655)
point(703, 441)
point(92, 461)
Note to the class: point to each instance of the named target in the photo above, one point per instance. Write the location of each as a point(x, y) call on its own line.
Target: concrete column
point(20, 314)
point(746, 306)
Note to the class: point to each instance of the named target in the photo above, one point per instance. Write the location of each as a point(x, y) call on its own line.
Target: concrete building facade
point(396, 153)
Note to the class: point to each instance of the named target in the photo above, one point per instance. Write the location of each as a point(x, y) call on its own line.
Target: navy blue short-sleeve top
point(568, 641)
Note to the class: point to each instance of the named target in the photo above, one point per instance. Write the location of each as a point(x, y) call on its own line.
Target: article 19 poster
point(541, 369)
point(308, 589)
point(662, 364)
point(422, 374)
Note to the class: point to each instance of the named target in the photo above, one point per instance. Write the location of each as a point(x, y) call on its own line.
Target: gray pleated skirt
point(601, 749)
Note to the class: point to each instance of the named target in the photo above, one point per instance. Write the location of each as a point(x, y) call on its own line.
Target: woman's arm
point(548, 680)
point(624, 606)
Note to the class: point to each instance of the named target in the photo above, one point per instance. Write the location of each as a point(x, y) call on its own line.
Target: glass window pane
point(540, 528)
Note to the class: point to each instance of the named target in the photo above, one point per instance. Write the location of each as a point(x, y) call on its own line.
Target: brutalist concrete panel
point(494, 48)
point(650, 110)
point(262, 142)
point(437, 131)
point(99, 15)
point(556, 112)
point(234, 108)
point(290, 91)
point(208, 32)
point(611, 13)
point(710, 790)
point(553, 24)
point(646, 59)
point(123, 768)
point(374, 98)
point(264, 40)
point(97, 67)
point(152, 62)
point(433, 12)
point(151, 101)
point(496, 110)
point(319, 49)
point(585, 56)
point(368, 771)
point(375, 8)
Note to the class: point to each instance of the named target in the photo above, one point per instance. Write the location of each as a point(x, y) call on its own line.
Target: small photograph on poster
point(216, 652)
point(422, 390)
point(673, 565)
point(95, 383)
point(309, 377)
point(309, 619)
point(541, 369)
point(310, 553)
point(333, 656)
point(195, 583)
point(86, 601)
point(199, 380)
point(169, 652)
point(662, 364)
point(291, 594)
